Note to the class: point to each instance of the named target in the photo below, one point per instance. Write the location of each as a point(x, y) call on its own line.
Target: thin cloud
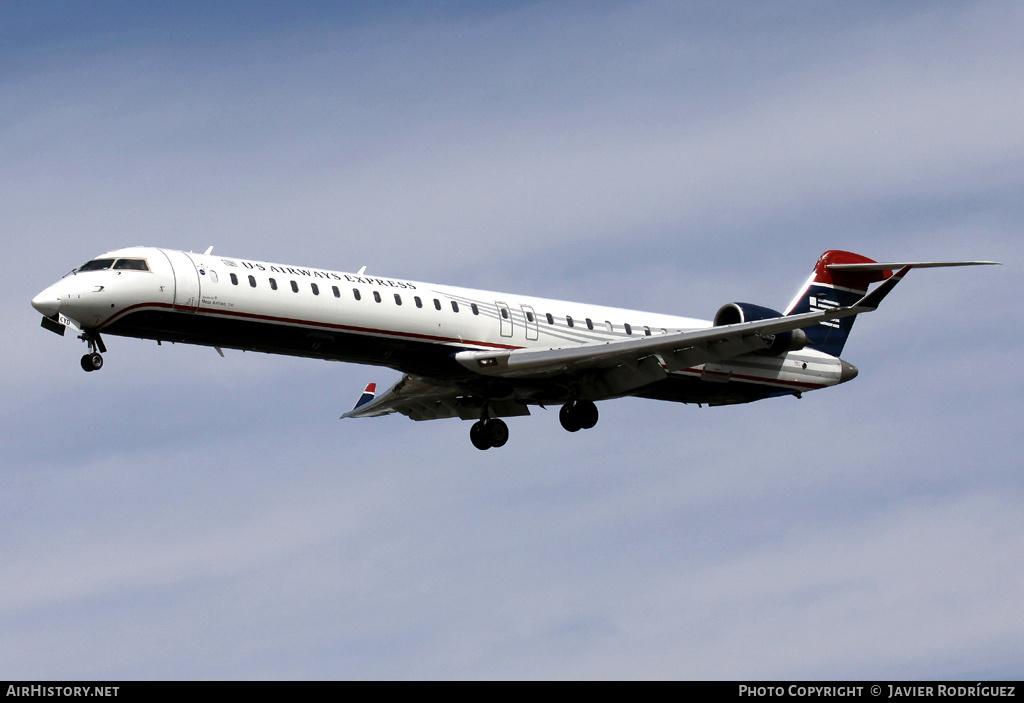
point(183, 515)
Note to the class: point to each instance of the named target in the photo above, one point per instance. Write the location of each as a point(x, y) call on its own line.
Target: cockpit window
point(131, 265)
point(97, 265)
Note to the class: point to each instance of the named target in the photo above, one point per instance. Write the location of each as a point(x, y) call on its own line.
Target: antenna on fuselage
point(208, 250)
point(361, 271)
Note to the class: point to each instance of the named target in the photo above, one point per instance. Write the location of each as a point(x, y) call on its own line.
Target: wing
point(608, 369)
point(616, 367)
point(420, 399)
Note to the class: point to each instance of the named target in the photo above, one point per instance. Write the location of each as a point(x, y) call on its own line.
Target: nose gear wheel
point(92, 362)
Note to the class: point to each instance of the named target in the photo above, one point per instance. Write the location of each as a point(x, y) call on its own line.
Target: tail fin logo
point(818, 304)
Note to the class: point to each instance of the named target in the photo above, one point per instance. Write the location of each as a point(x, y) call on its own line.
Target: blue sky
point(179, 515)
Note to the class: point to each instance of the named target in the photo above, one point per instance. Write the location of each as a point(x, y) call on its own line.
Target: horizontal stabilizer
point(853, 268)
point(841, 279)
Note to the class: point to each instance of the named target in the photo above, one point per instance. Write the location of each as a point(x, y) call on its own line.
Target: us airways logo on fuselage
point(315, 273)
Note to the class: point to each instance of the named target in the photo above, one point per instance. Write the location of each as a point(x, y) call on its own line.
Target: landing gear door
point(186, 280)
point(504, 319)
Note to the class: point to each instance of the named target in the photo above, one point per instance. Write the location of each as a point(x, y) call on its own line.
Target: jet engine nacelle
point(734, 313)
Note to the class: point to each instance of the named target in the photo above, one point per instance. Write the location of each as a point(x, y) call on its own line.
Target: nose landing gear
point(93, 361)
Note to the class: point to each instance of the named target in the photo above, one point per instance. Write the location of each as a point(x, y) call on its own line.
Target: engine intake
point(735, 313)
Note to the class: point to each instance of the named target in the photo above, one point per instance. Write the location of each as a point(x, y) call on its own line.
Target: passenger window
point(455, 306)
point(437, 303)
point(504, 313)
point(337, 293)
point(590, 324)
point(629, 330)
point(398, 299)
point(568, 320)
point(376, 297)
point(529, 316)
point(647, 330)
point(551, 319)
point(355, 294)
point(252, 281)
point(475, 309)
point(295, 287)
point(315, 288)
point(419, 303)
point(273, 284)
point(234, 280)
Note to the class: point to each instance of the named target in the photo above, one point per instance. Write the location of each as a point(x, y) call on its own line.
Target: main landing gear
point(575, 415)
point(578, 415)
point(93, 361)
point(488, 433)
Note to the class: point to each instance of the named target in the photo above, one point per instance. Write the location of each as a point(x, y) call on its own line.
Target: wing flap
point(410, 397)
point(420, 399)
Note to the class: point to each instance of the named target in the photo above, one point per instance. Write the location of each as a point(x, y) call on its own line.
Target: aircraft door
point(186, 280)
point(531, 322)
point(504, 319)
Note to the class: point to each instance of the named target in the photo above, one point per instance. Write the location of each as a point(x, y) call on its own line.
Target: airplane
point(473, 354)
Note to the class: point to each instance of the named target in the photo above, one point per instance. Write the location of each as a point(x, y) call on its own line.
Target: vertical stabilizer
point(831, 289)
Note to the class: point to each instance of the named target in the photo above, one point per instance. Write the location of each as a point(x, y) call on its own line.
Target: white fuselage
point(412, 326)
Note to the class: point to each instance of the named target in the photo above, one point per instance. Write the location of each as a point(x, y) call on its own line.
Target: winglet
point(369, 394)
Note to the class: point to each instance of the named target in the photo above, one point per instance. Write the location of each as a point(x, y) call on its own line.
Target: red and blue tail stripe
point(827, 289)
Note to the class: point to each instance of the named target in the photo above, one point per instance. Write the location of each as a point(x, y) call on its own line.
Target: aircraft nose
point(47, 302)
